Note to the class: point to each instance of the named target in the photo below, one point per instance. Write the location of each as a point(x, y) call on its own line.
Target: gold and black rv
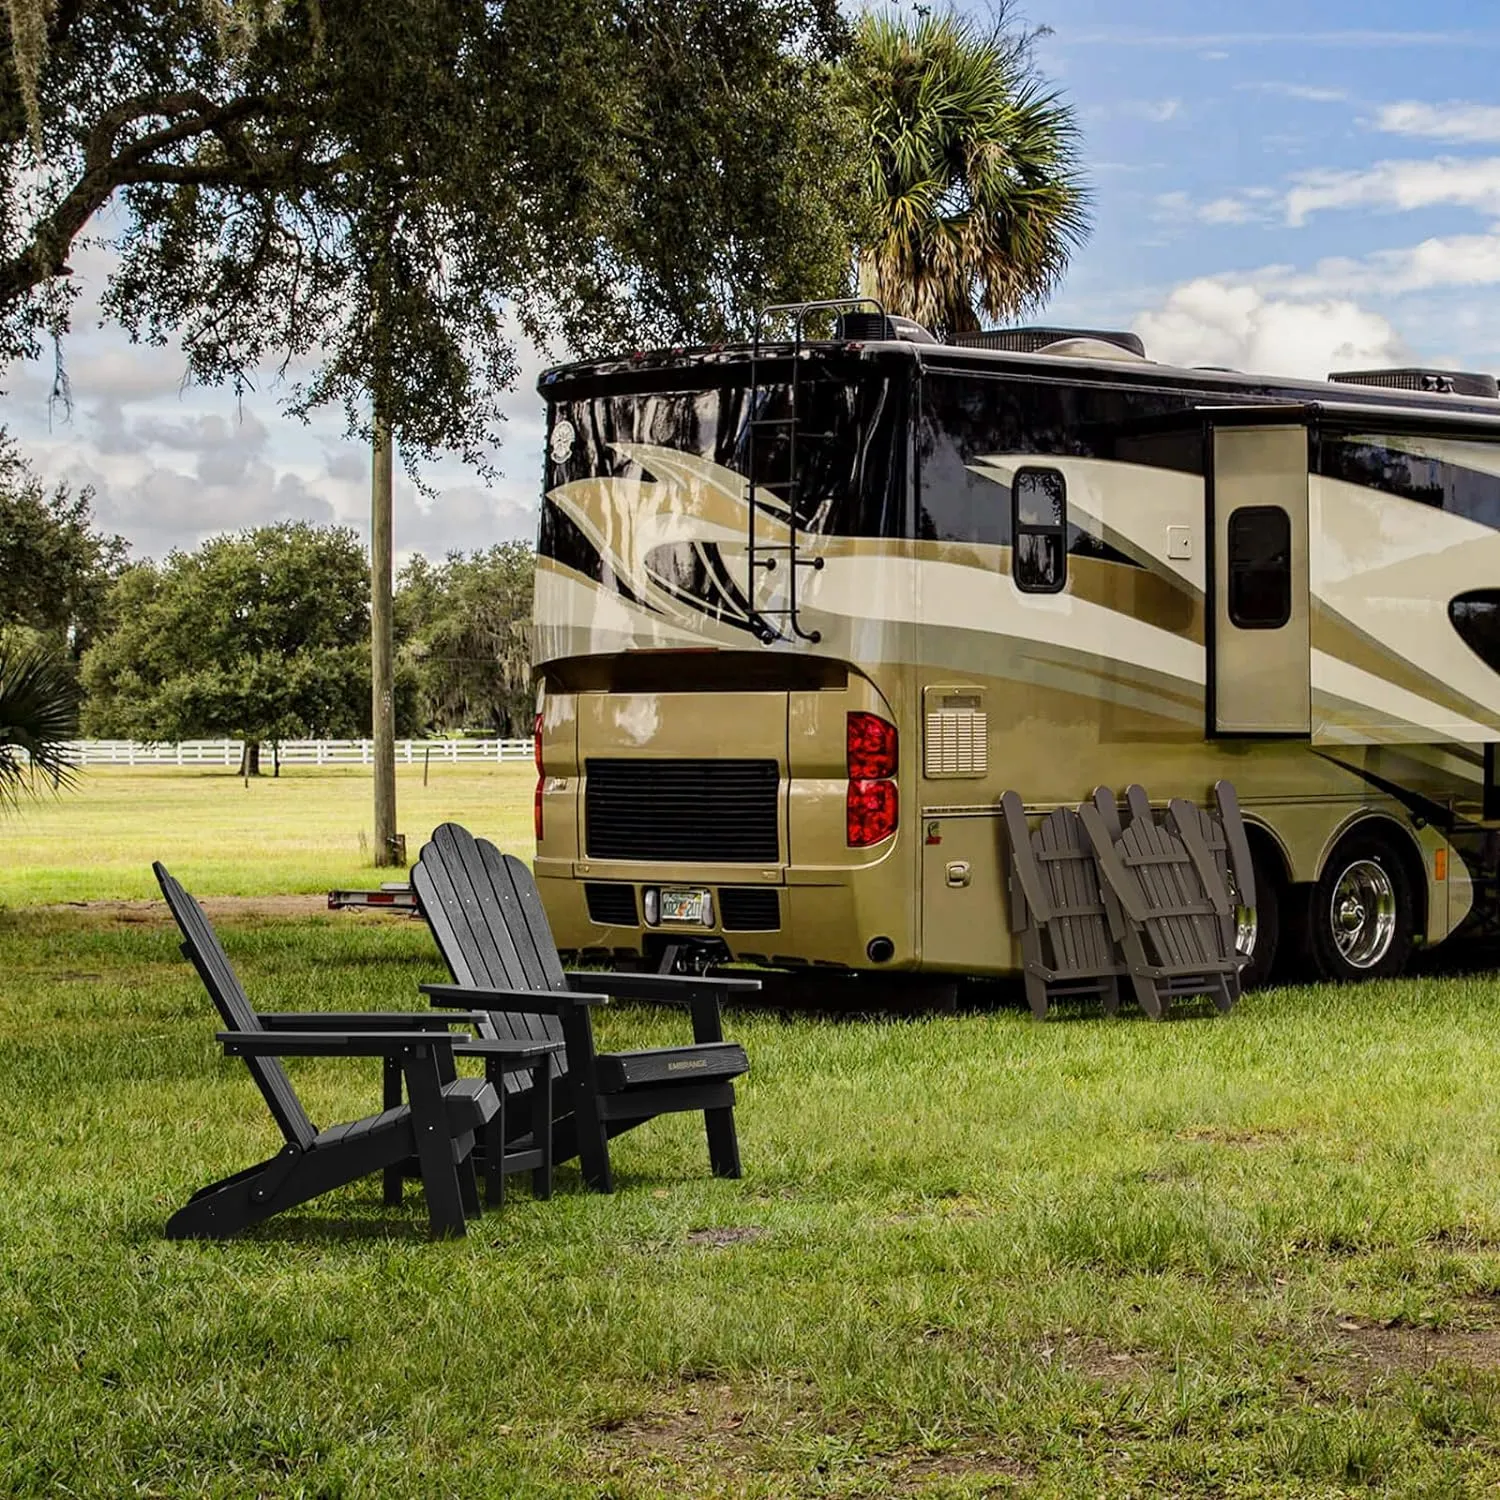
point(806, 610)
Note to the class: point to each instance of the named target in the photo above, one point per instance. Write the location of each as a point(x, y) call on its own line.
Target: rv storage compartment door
point(1258, 644)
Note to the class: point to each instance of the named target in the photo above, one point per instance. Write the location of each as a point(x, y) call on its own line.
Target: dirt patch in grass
point(1225, 1135)
point(1373, 1350)
point(702, 1434)
point(133, 912)
point(1095, 1359)
point(718, 1238)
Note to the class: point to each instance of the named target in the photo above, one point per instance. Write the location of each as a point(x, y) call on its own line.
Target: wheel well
point(1405, 847)
point(1268, 854)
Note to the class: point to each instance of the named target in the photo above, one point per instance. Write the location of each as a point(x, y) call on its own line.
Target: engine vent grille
point(1434, 382)
point(749, 909)
point(957, 739)
point(611, 904)
point(694, 811)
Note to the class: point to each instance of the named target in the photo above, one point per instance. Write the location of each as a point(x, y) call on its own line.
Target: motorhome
point(806, 608)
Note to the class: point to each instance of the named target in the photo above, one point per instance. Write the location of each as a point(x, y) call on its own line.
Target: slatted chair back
point(1223, 833)
point(1182, 922)
point(469, 895)
point(1059, 908)
point(202, 948)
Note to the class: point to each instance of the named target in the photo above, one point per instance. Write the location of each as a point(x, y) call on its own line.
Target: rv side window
point(1260, 567)
point(1039, 556)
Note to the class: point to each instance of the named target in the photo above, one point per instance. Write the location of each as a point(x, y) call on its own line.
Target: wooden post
point(382, 648)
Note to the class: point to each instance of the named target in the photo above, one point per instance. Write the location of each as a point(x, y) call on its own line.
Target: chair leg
point(391, 1099)
point(494, 1140)
point(445, 1209)
point(1111, 995)
point(468, 1186)
point(541, 1128)
point(1036, 995)
point(723, 1142)
point(593, 1140)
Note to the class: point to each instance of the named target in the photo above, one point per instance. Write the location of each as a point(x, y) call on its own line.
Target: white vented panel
point(957, 742)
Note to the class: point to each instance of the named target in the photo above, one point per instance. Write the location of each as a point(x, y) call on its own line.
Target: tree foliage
point(376, 194)
point(467, 624)
point(56, 568)
point(263, 635)
point(970, 169)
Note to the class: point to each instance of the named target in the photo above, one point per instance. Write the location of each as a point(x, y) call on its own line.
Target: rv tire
point(1362, 916)
point(1268, 896)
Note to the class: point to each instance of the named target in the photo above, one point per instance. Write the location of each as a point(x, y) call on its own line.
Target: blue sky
point(1280, 187)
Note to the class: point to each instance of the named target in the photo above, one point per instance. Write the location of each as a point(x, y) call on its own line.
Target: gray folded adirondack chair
point(437, 1128)
point(1178, 934)
point(1223, 832)
point(487, 917)
point(1067, 929)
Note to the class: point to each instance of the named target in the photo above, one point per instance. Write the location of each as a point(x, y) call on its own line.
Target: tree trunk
point(250, 758)
point(382, 648)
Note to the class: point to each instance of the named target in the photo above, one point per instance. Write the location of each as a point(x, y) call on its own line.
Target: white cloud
point(1221, 320)
point(1463, 260)
point(1157, 111)
point(1441, 122)
point(1400, 185)
point(1226, 211)
point(1302, 91)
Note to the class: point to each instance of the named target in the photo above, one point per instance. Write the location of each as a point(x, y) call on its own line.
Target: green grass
point(1250, 1256)
point(307, 830)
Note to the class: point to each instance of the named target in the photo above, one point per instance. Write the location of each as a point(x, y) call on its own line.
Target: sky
point(1285, 188)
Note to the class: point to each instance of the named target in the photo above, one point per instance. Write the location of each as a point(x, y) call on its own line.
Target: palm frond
point(976, 194)
point(39, 701)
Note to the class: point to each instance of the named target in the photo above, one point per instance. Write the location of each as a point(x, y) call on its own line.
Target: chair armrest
point(542, 1002)
point(507, 1048)
point(670, 987)
point(365, 1020)
point(335, 1043)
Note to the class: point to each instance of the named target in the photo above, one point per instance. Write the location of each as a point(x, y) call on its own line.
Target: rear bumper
point(800, 918)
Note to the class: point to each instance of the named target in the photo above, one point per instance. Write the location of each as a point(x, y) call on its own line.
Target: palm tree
point(38, 714)
point(974, 196)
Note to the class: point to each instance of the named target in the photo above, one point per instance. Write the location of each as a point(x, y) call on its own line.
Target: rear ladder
point(763, 554)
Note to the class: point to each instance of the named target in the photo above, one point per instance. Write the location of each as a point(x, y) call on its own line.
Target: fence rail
point(294, 752)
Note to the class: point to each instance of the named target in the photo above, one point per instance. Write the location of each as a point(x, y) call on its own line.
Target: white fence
point(294, 752)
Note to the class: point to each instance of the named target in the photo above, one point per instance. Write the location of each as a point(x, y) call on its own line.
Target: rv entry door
point(1259, 663)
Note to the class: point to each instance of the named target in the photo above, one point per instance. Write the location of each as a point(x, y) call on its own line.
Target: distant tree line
point(262, 635)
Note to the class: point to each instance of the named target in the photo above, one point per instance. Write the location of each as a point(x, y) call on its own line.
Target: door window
point(1039, 561)
point(1260, 567)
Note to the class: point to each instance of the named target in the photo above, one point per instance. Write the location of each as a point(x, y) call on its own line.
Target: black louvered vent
point(698, 811)
point(749, 909)
point(611, 905)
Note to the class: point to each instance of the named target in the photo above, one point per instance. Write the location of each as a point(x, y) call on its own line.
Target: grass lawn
point(1252, 1255)
point(306, 830)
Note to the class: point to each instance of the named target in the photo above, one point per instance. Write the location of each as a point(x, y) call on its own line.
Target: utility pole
point(382, 647)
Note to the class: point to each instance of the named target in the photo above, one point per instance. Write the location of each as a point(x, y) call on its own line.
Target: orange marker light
point(1440, 865)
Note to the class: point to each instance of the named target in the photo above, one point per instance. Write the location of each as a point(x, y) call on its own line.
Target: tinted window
point(1039, 561)
point(1476, 617)
point(1260, 567)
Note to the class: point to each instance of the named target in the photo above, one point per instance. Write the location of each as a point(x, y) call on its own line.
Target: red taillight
point(871, 746)
point(536, 752)
point(873, 810)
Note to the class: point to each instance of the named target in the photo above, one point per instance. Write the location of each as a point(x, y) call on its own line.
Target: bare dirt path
point(228, 907)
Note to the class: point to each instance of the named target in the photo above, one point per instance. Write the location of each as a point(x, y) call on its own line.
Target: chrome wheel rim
point(1245, 928)
point(1362, 914)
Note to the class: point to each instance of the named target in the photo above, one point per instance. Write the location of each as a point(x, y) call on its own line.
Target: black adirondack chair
point(1068, 926)
point(437, 1127)
point(487, 917)
point(1178, 937)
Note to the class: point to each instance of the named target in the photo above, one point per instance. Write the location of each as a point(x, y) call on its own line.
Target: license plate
point(683, 906)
